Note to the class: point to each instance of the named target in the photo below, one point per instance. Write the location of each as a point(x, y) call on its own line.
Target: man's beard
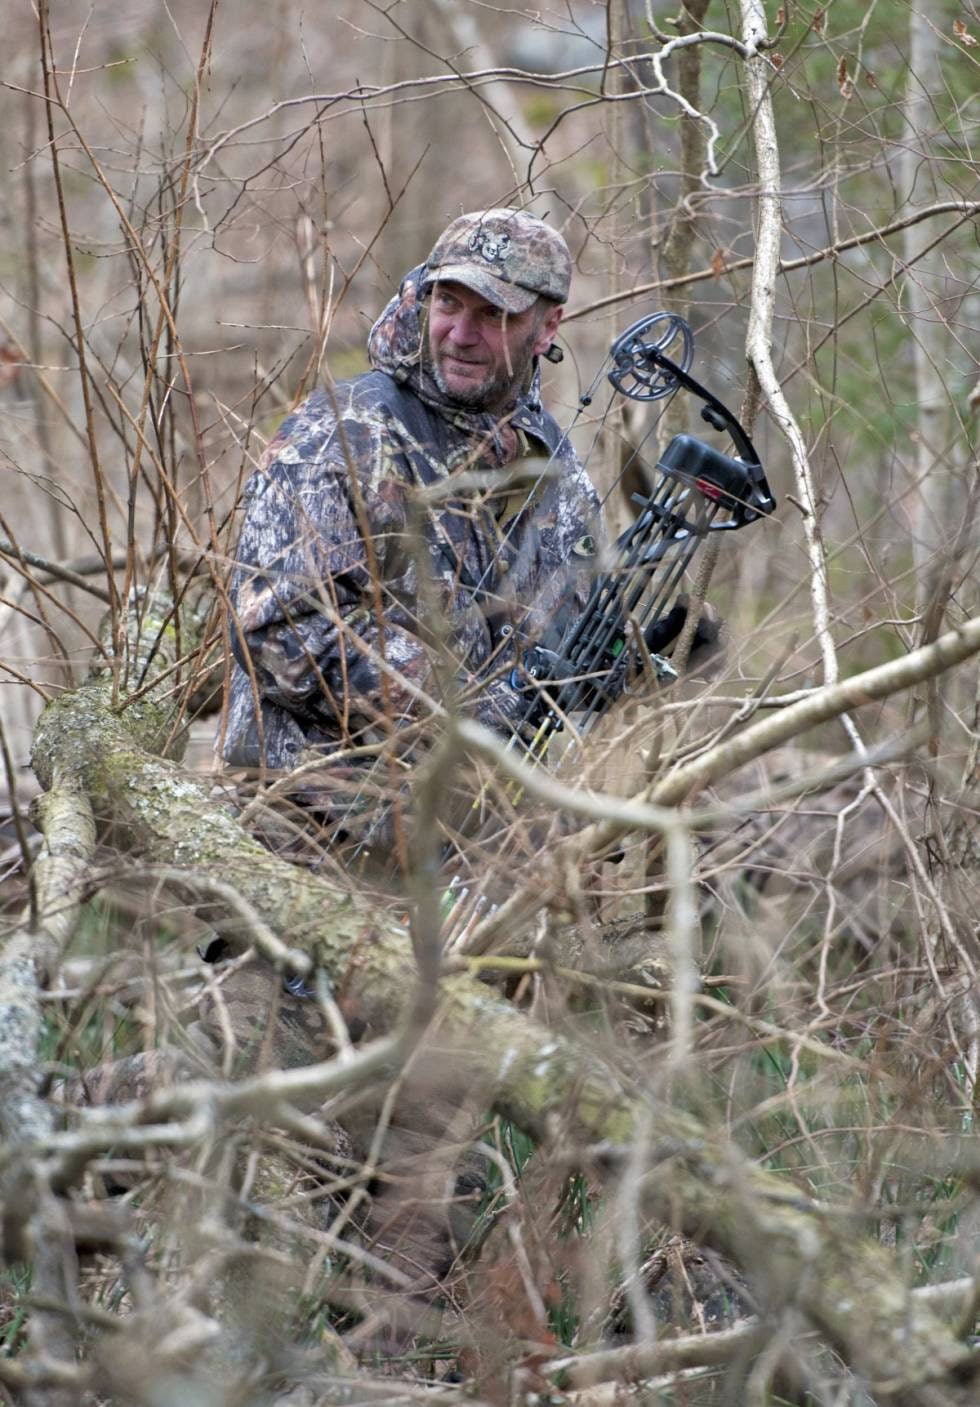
point(499, 391)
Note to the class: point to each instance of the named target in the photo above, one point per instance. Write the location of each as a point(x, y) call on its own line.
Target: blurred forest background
point(327, 151)
point(205, 208)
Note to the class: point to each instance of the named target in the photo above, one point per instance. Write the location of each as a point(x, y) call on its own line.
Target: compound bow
point(700, 490)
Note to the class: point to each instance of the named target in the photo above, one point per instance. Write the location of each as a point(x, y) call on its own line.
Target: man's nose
point(465, 329)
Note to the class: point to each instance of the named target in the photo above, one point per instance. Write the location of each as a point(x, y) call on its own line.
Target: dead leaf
point(843, 82)
point(510, 1299)
point(963, 34)
point(718, 265)
point(819, 20)
point(10, 366)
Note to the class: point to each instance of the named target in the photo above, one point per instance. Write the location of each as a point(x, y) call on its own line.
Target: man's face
point(481, 356)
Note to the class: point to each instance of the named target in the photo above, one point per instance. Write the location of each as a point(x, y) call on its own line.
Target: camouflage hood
point(397, 344)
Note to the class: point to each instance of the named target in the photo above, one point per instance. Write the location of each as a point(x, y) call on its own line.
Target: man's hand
point(548, 683)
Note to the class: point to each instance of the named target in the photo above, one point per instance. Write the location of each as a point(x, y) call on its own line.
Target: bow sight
point(634, 611)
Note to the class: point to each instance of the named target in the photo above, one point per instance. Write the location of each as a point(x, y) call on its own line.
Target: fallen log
point(793, 1249)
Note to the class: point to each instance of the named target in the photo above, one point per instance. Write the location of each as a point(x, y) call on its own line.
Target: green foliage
point(347, 361)
point(541, 108)
point(91, 1030)
point(121, 68)
point(316, 1318)
point(515, 1146)
point(15, 1289)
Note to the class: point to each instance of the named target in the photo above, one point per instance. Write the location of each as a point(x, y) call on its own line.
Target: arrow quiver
point(700, 490)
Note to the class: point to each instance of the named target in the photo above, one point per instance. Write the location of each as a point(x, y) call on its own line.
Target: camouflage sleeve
point(303, 592)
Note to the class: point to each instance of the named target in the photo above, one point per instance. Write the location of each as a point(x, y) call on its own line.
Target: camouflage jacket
point(365, 586)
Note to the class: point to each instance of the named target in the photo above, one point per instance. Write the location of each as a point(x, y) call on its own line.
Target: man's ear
point(548, 329)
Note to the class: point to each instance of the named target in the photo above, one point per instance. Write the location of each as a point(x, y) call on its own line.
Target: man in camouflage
point(417, 523)
point(404, 527)
point(404, 535)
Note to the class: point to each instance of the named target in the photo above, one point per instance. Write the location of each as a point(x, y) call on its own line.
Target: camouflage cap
point(508, 256)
